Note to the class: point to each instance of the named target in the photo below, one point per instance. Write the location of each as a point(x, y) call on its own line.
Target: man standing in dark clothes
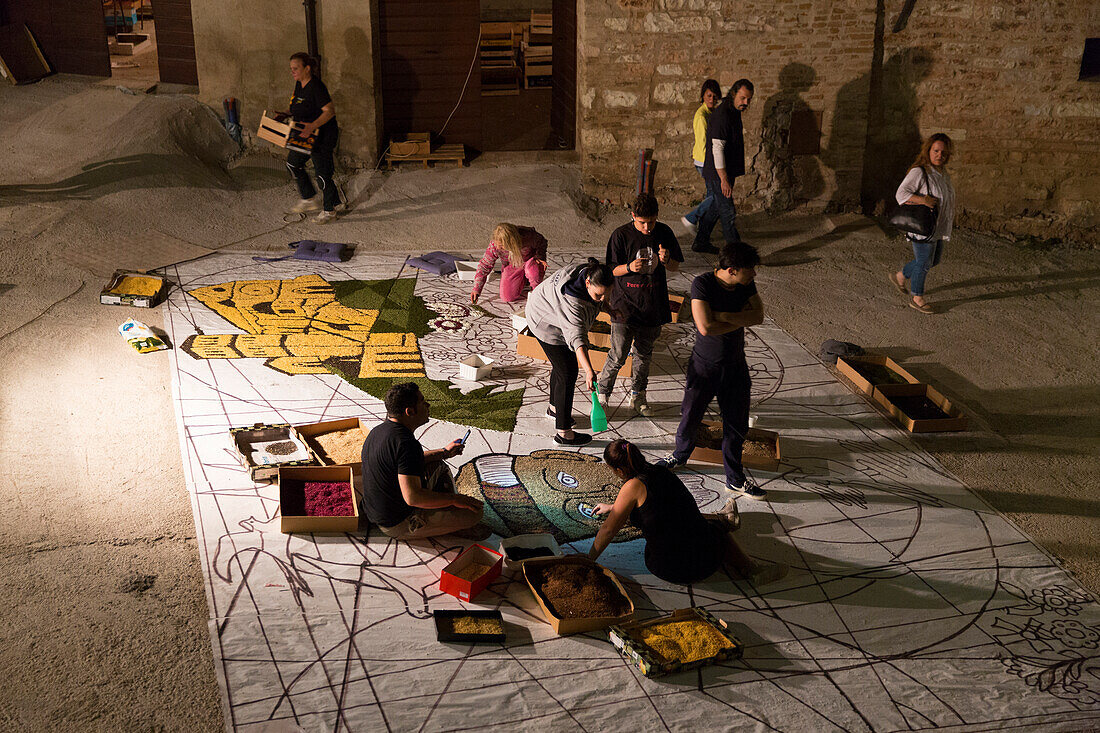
point(408, 492)
point(638, 253)
point(723, 303)
point(725, 151)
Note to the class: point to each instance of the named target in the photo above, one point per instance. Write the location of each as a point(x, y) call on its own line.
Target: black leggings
point(563, 382)
point(322, 166)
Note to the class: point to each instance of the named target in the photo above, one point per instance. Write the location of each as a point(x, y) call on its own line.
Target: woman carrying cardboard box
point(312, 107)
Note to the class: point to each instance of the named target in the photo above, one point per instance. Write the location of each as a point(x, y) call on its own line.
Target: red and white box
point(450, 580)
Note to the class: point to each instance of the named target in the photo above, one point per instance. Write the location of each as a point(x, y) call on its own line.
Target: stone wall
point(643, 63)
point(1001, 78)
point(242, 50)
point(1003, 83)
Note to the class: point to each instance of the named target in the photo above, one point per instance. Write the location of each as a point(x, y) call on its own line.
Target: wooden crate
point(415, 143)
point(275, 128)
point(452, 153)
point(500, 72)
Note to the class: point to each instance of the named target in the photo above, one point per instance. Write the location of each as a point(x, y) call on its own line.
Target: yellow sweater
point(699, 124)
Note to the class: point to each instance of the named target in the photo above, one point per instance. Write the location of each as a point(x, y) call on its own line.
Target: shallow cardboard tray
point(955, 420)
point(600, 339)
point(467, 590)
point(528, 345)
point(291, 479)
point(261, 433)
point(537, 539)
point(106, 297)
point(627, 639)
point(466, 269)
point(847, 365)
point(310, 431)
point(714, 455)
point(442, 634)
point(564, 626)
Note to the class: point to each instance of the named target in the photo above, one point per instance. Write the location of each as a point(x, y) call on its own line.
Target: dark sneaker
point(749, 489)
point(709, 249)
point(669, 462)
point(577, 439)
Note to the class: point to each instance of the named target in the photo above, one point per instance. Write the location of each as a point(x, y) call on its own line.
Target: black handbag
point(916, 219)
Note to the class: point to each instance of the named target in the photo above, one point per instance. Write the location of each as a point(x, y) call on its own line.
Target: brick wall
point(1001, 78)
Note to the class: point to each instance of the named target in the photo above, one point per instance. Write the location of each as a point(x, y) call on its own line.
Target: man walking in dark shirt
point(638, 252)
point(723, 303)
point(725, 151)
point(408, 492)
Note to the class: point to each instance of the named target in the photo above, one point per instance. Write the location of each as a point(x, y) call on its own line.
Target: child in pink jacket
point(522, 251)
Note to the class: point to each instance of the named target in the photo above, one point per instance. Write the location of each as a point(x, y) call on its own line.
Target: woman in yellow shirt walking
point(710, 95)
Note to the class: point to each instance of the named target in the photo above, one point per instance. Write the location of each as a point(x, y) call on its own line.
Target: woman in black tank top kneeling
point(682, 545)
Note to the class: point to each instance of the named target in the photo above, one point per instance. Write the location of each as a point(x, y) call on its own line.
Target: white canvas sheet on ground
point(911, 605)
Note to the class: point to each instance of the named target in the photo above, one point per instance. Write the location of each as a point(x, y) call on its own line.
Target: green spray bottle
point(599, 417)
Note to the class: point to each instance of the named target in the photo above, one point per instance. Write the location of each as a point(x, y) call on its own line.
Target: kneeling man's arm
point(414, 494)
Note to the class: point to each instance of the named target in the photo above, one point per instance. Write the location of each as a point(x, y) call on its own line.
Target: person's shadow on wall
point(874, 136)
point(789, 142)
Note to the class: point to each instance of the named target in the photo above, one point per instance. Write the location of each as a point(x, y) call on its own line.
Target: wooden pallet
point(450, 153)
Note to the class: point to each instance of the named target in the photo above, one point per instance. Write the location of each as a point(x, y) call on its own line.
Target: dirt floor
point(107, 622)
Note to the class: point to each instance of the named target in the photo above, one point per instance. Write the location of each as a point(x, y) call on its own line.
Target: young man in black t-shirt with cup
point(638, 252)
point(723, 303)
point(407, 491)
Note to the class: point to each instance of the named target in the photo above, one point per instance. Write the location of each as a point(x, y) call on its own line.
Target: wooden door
point(427, 47)
point(175, 42)
point(563, 102)
point(71, 33)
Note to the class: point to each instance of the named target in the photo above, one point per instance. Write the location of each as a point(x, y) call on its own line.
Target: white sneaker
point(325, 217)
point(305, 206)
point(638, 402)
point(692, 228)
point(604, 399)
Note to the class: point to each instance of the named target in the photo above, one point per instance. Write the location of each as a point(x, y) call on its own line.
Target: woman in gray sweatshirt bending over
point(560, 313)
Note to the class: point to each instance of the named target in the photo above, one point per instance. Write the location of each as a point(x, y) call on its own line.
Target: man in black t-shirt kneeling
point(407, 491)
point(723, 304)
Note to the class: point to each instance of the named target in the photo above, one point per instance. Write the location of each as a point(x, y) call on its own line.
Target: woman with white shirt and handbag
point(927, 184)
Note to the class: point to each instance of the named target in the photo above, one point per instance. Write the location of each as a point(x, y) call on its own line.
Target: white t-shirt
point(939, 185)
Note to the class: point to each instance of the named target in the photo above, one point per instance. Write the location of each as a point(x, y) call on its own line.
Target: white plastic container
point(475, 367)
point(519, 320)
point(466, 269)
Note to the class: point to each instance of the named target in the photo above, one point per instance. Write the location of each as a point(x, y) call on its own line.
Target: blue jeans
point(723, 209)
point(704, 206)
point(926, 255)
